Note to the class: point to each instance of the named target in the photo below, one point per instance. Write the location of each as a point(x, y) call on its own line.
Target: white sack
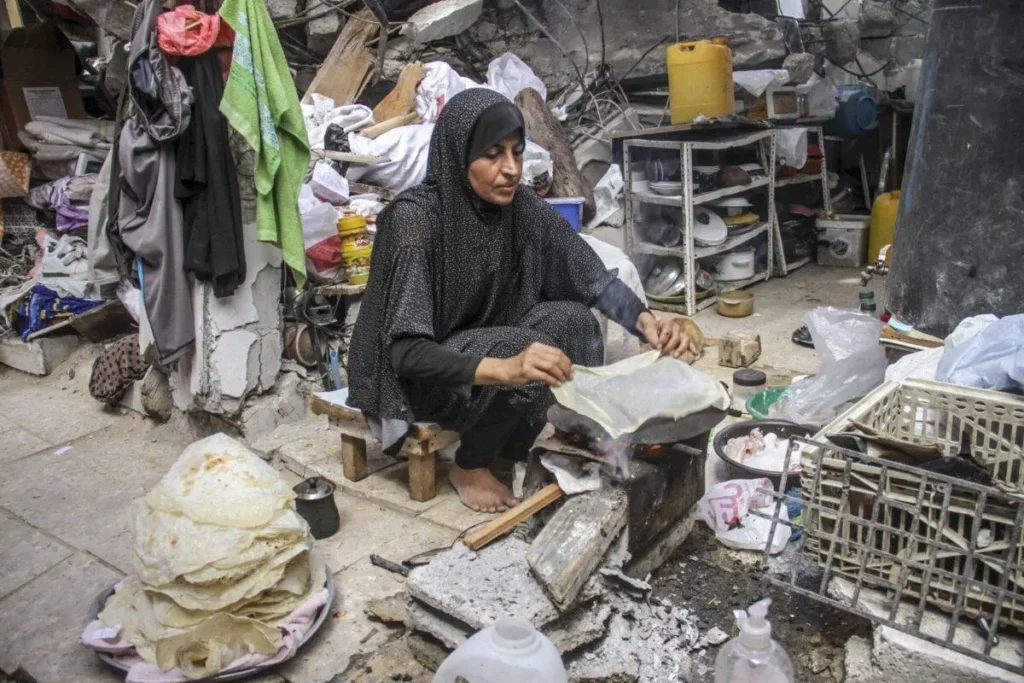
point(614, 258)
point(508, 75)
point(623, 396)
point(536, 162)
point(440, 84)
point(406, 147)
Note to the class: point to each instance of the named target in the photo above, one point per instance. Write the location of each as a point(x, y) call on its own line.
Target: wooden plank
point(402, 98)
point(378, 129)
point(569, 548)
point(14, 18)
point(353, 457)
point(346, 71)
point(348, 157)
point(503, 524)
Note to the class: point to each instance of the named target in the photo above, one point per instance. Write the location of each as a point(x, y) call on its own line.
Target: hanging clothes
point(260, 102)
point(150, 221)
point(207, 183)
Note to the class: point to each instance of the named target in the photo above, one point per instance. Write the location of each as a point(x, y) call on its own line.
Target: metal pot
point(314, 502)
point(738, 304)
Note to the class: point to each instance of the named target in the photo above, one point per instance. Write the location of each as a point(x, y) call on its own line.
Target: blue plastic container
point(571, 209)
point(857, 113)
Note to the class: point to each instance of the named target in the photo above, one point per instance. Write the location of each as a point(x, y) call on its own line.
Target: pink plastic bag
point(188, 32)
point(726, 509)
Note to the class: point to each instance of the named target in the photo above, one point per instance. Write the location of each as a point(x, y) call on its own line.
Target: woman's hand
point(663, 335)
point(538, 363)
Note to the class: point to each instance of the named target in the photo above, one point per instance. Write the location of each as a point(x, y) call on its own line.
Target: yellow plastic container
point(700, 80)
point(356, 263)
point(883, 224)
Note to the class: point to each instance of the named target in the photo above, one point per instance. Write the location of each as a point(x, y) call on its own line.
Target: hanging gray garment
point(149, 217)
point(102, 265)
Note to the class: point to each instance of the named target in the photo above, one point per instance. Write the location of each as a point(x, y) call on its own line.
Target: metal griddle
point(655, 431)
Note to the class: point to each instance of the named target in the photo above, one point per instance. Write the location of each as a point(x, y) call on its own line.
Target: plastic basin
point(760, 403)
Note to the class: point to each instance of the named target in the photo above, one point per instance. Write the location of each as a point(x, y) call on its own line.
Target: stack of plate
point(709, 230)
point(666, 188)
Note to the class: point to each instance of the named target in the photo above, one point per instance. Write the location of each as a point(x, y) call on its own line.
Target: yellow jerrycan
point(700, 80)
point(883, 224)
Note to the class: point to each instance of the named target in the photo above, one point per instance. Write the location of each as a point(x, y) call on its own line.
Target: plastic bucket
point(571, 209)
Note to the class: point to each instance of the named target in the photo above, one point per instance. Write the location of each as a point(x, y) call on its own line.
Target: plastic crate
point(571, 209)
point(915, 534)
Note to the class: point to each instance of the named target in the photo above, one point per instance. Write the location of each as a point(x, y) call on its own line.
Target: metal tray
point(97, 606)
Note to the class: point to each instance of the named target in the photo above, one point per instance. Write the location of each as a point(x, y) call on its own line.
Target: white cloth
point(508, 75)
point(440, 84)
point(320, 113)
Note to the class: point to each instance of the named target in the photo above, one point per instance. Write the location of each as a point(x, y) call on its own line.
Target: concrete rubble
point(613, 634)
point(442, 19)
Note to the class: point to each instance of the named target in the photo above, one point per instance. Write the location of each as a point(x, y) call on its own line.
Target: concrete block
point(442, 19)
point(842, 40)
point(38, 357)
point(800, 66)
point(323, 31)
point(739, 349)
point(280, 9)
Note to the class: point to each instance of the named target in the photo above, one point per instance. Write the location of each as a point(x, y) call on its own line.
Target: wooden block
point(421, 477)
point(739, 349)
point(402, 98)
point(378, 129)
point(567, 551)
point(104, 322)
point(501, 525)
point(38, 357)
point(346, 71)
point(353, 457)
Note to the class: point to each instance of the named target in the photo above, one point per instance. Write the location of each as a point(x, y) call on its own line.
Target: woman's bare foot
point(480, 491)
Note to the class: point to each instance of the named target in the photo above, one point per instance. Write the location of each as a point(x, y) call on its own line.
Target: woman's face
point(494, 175)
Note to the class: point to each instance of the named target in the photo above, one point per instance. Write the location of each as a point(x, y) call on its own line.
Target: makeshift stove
point(660, 466)
point(578, 573)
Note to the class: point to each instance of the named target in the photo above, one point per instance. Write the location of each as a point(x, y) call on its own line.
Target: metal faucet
point(878, 267)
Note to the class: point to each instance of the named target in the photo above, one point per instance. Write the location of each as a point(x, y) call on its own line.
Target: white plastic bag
point(925, 364)
point(757, 81)
point(508, 75)
point(726, 509)
point(606, 196)
point(323, 246)
point(328, 185)
point(536, 162)
point(406, 149)
point(852, 364)
point(992, 359)
point(791, 146)
point(440, 84)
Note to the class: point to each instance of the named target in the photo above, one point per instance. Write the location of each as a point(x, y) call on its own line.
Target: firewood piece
point(346, 71)
point(739, 349)
point(379, 129)
point(503, 524)
point(402, 98)
point(567, 551)
point(543, 128)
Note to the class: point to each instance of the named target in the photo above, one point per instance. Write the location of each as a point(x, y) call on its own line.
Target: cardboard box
point(37, 77)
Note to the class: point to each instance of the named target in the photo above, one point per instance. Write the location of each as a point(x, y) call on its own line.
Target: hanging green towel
point(260, 102)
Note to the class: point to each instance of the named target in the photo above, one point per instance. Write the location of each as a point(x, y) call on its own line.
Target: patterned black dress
point(482, 280)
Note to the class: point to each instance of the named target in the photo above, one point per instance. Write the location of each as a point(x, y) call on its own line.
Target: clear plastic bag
point(726, 509)
point(852, 364)
point(991, 359)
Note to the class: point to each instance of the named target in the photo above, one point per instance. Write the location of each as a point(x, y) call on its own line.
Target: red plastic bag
point(187, 32)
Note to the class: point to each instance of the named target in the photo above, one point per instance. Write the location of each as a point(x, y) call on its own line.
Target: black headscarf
point(494, 125)
point(444, 262)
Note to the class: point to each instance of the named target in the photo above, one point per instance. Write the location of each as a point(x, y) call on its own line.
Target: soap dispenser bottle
point(752, 656)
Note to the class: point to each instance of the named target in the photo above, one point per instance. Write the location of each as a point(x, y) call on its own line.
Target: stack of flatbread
point(221, 559)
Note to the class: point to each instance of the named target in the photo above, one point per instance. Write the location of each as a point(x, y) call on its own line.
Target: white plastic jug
point(509, 651)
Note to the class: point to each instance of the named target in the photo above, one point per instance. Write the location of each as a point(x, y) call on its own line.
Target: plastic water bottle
point(752, 656)
point(509, 651)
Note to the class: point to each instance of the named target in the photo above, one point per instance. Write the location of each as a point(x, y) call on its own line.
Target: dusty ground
point(69, 469)
point(712, 582)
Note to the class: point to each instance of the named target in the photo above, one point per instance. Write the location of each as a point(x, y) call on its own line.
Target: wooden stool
point(425, 439)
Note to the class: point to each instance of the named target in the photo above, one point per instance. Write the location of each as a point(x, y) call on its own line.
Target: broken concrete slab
point(442, 19)
point(445, 630)
point(390, 610)
point(40, 356)
point(571, 545)
point(428, 651)
point(478, 588)
point(842, 40)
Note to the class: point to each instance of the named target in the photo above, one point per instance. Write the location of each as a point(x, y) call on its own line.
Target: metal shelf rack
point(701, 140)
point(784, 268)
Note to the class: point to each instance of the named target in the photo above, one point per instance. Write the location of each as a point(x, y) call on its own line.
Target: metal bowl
point(662, 277)
point(781, 428)
point(98, 603)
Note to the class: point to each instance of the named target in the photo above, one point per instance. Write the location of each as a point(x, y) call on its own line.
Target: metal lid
point(314, 488)
point(749, 378)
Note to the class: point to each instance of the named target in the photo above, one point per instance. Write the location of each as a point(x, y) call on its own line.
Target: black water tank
point(959, 246)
